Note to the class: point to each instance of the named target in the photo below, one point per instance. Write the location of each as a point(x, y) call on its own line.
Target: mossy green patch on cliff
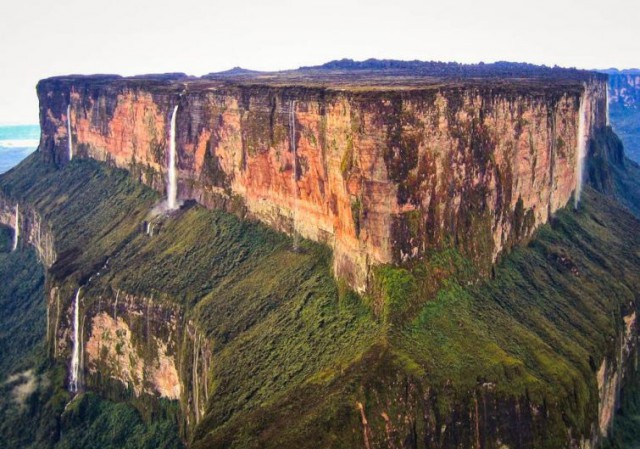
point(255, 126)
point(33, 399)
point(395, 289)
point(156, 143)
point(525, 343)
point(347, 162)
point(357, 212)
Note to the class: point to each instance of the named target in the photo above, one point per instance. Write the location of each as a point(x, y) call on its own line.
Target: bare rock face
point(33, 230)
point(124, 338)
point(139, 344)
point(611, 374)
point(113, 351)
point(382, 174)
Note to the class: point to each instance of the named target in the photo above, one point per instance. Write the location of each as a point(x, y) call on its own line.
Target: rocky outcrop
point(34, 230)
point(132, 346)
point(135, 344)
point(382, 174)
point(134, 341)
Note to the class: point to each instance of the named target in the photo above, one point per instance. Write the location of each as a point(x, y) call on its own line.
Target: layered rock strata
point(33, 229)
point(382, 174)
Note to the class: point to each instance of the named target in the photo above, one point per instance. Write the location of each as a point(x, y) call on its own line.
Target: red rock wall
point(382, 176)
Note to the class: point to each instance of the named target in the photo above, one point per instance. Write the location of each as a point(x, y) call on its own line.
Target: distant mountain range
point(613, 71)
point(500, 69)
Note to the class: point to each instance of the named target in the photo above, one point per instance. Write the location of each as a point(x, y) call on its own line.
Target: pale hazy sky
point(41, 38)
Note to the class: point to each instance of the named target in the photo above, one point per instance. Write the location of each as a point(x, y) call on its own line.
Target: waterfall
point(75, 358)
point(172, 185)
point(69, 138)
point(582, 146)
point(16, 234)
point(292, 138)
point(607, 103)
point(148, 229)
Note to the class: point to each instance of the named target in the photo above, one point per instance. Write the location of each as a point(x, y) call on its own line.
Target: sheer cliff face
point(34, 230)
point(624, 97)
point(133, 342)
point(381, 176)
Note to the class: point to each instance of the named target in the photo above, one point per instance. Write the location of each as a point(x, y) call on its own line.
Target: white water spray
point(16, 234)
point(75, 357)
point(582, 146)
point(69, 138)
point(172, 185)
point(292, 138)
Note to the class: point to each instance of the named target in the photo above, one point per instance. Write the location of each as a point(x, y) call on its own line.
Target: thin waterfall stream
point(16, 234)
point(75, 357)
point(172, 181)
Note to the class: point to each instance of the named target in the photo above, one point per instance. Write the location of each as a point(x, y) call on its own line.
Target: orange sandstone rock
point(382, 175)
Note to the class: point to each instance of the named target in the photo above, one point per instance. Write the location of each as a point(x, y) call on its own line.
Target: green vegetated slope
point(32, 398)
point(299, 359)
point(464, 359)
point(92, 210)
point(35, 408)
point(22, 309)
point(623, 174)
point(531, 337)
point(275, 317)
